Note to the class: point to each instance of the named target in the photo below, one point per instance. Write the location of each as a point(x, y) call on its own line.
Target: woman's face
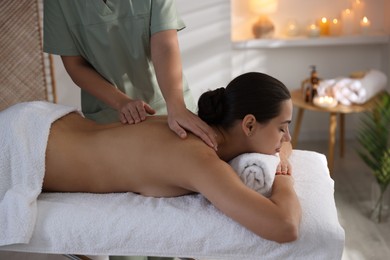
point(270, 136)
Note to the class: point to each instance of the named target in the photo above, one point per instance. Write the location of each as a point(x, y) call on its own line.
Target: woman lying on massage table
point(250, 116)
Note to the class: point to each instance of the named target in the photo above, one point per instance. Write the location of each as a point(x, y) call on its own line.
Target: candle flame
point(325, 101)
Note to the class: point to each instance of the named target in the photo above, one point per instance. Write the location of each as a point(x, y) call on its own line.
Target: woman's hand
point(284, 167)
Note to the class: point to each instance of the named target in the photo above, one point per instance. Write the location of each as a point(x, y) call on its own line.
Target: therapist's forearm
point(167, 64)
point(88, 79)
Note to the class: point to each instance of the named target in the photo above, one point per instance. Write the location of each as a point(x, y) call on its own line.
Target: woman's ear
point(249, 124)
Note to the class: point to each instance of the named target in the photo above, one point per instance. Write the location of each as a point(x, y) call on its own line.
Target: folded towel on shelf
point(349, 91)
point(24, 134)
point(256, 170)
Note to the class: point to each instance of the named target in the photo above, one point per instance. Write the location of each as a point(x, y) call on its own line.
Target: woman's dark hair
point(251, 93)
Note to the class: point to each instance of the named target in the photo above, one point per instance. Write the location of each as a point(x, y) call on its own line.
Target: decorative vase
point(380, 207)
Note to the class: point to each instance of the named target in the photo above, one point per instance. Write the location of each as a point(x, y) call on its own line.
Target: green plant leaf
point(374, 140)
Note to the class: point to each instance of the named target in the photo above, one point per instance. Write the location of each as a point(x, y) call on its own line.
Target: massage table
point(130, 224)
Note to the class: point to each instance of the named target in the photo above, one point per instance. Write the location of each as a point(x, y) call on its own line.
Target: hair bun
point(211, 106)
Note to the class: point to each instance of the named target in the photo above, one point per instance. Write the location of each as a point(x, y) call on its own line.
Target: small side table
point(341, 110)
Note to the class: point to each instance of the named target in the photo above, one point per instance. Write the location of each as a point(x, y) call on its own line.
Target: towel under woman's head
point(256, 170)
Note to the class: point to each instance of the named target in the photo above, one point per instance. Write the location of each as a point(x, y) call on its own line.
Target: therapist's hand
point(180, 121)
point(134, 111)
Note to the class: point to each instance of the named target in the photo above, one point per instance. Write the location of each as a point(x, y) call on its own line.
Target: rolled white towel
point(351, 90)
point(373, 82)
point(325, 87)
point(342, 91)
point(256, 170)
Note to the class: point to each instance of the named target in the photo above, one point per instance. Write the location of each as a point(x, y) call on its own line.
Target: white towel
point(187, 226)
point(372, 83)
point(256, 170)
point(24, 132)
point(349, 91)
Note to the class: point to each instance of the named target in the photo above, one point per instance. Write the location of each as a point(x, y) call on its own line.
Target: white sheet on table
point(189, 226)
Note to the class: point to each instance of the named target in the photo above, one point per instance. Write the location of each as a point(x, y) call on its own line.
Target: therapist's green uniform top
point(114, 37)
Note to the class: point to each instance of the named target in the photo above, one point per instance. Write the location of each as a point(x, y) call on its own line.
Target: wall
point(205, 44)
point(304, 13)
point(291, 65)
point(67, 92)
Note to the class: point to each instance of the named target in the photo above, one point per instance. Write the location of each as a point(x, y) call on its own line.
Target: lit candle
point(348, 22)
point(365, 25)
point(335, 27)
point(325, 101)
point(324, 26)
point(313, 30)
point(358, 7)
point(292, 28)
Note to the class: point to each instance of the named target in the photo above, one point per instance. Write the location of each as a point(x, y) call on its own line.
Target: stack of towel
point(349, 91)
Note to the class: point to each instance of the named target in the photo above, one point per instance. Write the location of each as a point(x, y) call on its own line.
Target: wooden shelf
point(312, 42)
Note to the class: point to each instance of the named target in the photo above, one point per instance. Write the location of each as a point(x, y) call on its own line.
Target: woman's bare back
point(146, 158)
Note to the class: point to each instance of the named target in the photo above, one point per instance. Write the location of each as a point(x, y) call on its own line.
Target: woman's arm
point(286, 200)
point(276, 218)
point(88, 79)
